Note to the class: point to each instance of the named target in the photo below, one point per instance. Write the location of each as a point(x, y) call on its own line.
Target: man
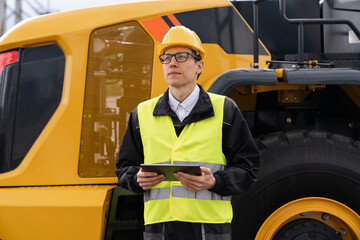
point(187, 125)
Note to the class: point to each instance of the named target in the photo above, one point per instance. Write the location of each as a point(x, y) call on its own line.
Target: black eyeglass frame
point(174, 55)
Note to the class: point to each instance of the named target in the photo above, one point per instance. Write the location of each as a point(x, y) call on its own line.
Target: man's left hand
point(197, 183)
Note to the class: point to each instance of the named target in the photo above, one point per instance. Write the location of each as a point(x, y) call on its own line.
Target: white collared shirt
point(183, 109)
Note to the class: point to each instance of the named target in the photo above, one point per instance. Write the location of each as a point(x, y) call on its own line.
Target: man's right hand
point(147, 180)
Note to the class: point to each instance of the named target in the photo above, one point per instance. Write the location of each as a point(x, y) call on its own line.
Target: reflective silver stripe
point(180, 191)
point(225, 236)
point(153, 236)
point(213, 166)
point(203, 232)
point(156, 194)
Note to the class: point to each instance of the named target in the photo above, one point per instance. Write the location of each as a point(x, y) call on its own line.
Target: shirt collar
point(188, 103)
point(203, 108)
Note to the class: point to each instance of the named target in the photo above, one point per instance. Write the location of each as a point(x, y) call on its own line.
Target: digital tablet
point(169, 169)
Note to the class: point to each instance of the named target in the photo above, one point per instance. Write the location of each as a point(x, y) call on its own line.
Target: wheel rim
point(334, 214)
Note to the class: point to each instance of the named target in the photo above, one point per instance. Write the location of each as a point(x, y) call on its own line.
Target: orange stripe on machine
point(157, 27)
point(174, 20)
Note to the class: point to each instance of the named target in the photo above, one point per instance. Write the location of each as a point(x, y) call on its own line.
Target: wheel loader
point(70, 80)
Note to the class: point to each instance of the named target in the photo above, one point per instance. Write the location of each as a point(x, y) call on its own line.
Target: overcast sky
point(63, 5)
point(32, 8)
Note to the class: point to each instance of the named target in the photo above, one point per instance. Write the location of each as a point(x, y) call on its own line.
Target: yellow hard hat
point(181, 36)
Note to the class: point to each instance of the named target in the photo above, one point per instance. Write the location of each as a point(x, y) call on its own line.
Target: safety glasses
point(179, 57)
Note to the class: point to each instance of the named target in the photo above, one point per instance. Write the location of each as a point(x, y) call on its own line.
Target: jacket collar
point(203, 108)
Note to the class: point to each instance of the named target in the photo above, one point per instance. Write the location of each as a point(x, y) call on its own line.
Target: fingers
point(197, 183)
point(147, 180)
point(207, 180)
point(191, 183)
point(205, 170)
point(192, 186)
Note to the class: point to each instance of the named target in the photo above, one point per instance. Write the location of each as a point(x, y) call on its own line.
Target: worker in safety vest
point(187, 125)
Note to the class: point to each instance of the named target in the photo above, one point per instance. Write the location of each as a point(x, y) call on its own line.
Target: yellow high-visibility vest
point(199, 143)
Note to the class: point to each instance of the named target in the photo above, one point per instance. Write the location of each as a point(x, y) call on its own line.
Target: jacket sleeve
point(240, 150)
point(130, 156)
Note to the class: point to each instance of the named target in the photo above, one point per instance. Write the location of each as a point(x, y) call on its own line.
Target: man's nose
point(173, 60)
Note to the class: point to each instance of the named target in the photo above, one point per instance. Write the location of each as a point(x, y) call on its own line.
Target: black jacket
point(242, 156)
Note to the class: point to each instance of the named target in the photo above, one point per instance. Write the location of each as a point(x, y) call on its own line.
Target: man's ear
point(200, 65)
point(200, 68)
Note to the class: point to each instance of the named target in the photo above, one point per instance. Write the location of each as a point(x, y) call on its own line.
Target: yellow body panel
point(54, 157)
point(75, 212)
point(222, 60)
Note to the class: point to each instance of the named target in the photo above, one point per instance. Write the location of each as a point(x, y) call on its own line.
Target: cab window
point(31, 83)
point(118, 78)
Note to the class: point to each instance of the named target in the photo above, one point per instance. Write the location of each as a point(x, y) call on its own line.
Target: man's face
point(181, 74)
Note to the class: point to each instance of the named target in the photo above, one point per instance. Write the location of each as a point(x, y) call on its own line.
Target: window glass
point(8, 89)
point(31, 91)
point(39, 94)
point(118, 78)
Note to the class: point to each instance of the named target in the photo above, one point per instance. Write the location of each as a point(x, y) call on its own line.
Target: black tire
point(298, 164)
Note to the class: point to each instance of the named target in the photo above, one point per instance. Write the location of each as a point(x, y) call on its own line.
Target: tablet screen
point(168, 170)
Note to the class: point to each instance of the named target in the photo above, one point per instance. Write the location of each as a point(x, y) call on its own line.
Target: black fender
point(322, 76)
point(243, 76)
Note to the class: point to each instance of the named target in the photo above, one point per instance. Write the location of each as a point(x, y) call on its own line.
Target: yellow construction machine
point(70, 80)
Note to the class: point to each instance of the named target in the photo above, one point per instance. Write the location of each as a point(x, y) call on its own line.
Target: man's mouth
point(174, 73)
